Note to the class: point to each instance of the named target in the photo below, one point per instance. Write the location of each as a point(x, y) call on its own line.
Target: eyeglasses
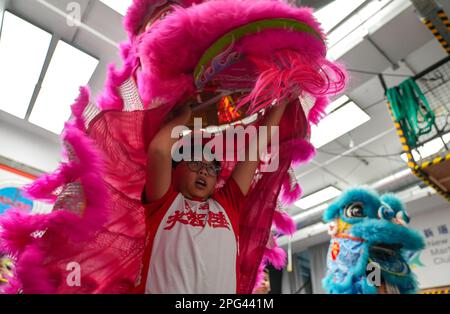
point(196, 166)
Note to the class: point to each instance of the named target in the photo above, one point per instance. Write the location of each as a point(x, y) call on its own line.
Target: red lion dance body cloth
point(253, 52)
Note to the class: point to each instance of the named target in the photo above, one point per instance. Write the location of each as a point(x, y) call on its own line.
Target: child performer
point(192, 228)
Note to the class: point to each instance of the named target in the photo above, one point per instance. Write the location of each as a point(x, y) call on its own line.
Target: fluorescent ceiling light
point(334, 13)
point(338, 123)
point(428, 149)
point(347, 43)
point(23, 49)
point(357, 21)
point(318, 197)
point(446, 138)
point(69, 69)
point(120, 6)
point(318, 210)
point(357, 27)
point(337, 104)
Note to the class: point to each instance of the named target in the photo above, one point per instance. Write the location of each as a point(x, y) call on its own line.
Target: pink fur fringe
point(283, 223)
point(17, 228)
point(276, 256)
point(291, 73)
point(157, 48)
point(212, 19)
point(318, 111)
point(301, 151)
point(43, 188)
point(33, 276)
point(78, 107)
point(165, 80)
point(259, 276)
point(288, 196)
point(140, 9)
point(111, 99)
point(90, 170)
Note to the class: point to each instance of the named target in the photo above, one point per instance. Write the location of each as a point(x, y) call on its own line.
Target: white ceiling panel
point(407, 29)
point(38, 14)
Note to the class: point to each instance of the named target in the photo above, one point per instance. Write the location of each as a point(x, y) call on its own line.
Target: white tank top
point(194, 250)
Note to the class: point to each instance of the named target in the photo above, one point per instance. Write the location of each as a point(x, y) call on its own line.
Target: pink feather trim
point(140, 9)
point(203, 24)
point(90, 170)
point(289, 195)
point(44, 188)
point(290, 73)
point(16, 229)
point(318, 111)
point(34, 277)
point(78, 107)
point(301, 151)
point(259, 276)
point(111, 99)
point(276, 256)
point(284, 223)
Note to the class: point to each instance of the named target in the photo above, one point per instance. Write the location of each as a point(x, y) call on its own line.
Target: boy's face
point(193, 182)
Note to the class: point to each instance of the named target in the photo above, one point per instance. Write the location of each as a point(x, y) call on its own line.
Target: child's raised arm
point(159, 165)
point(245, 170)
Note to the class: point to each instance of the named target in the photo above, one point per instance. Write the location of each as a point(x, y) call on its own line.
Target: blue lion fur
point(374, 231)
point(393, 201)
point(368, 197)
point(406, 285)
point(396, 204)
point(356, 282)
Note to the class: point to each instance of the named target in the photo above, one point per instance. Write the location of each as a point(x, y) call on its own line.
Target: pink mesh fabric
point(109, 155)
point(111, 258)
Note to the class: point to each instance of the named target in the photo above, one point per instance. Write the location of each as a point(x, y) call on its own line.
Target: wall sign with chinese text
point(432, 265)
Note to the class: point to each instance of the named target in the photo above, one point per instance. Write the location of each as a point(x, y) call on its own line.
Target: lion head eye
point(354, 210)
point(385, 212)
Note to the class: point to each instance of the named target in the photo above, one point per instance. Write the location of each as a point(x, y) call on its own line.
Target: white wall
point(27, 144)
point(432, 265)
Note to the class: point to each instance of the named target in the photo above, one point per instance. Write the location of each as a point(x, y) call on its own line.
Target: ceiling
point(399, 44)
point(94, 14)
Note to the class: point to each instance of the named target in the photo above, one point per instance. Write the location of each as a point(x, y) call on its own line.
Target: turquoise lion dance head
point(370, 235)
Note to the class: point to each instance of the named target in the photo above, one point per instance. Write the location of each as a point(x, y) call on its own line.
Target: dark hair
point(216, 162)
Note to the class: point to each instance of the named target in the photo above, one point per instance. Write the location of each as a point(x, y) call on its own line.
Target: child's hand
point(245, 170)
point(159, 166)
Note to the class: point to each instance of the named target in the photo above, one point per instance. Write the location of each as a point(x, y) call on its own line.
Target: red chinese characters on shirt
point(192, 218)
